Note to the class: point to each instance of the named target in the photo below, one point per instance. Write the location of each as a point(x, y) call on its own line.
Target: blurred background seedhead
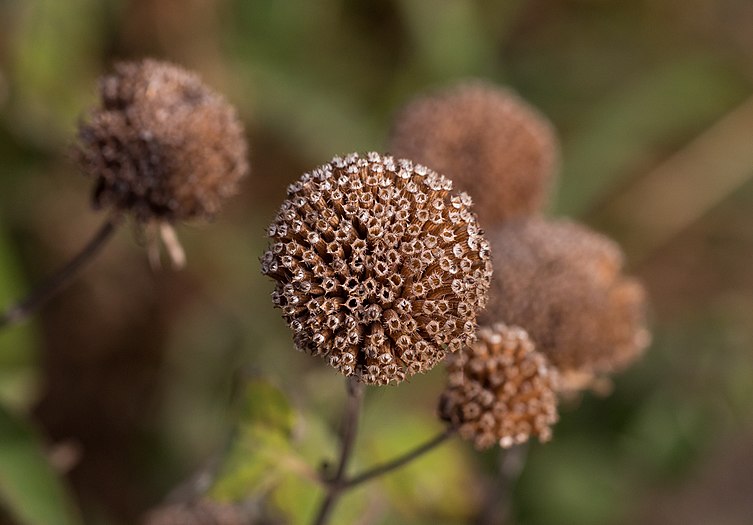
point(489, 141)
point(564, 285)
point(162, 145)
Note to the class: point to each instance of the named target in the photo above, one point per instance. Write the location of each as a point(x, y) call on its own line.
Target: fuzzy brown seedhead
point(500, 390)
point(488, 141)
point(380, 268)
point(162, 145)
point(563, 284)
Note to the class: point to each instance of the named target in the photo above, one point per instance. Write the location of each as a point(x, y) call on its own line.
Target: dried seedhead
point(488, 141)
point(380, 268)
point(563, 284)
point(162, 145)
point(500, 390)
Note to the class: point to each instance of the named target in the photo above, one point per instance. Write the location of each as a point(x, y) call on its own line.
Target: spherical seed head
point(500, 390)
point(380, 267)
point(488, 141)
point(162, 145)
point(563, 284)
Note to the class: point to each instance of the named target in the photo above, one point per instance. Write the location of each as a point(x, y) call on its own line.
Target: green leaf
point(29, 488)
point(298, 497)
point(255, 464)
point(266, 405)
point(428, 486)
point(17, 356)
point(262, 450)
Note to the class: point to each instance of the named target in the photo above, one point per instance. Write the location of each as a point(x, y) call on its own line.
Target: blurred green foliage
point(262, 451)
point(29, 488)
point(148, 373)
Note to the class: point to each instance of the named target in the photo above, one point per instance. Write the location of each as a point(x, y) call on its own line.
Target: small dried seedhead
point(162, 145)
point(380, 268)
point(563, 284)
point(488, 141)
point(500, 390)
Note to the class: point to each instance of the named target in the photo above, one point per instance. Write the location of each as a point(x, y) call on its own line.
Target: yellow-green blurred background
point(131, 380)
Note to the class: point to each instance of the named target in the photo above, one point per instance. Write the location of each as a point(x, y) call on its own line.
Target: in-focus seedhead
point(380, 267)
point(500, 390)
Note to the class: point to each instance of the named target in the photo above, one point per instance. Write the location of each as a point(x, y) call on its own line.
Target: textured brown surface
point(563, 284)
point(162, 145)
point(500, 390)
point(380, 268)
point(490, 142)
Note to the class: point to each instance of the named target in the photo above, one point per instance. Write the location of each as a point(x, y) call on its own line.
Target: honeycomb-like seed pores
point(563, 284)
point(379, 267)
point(489, 141)
point(500, 390)
point(162, 145)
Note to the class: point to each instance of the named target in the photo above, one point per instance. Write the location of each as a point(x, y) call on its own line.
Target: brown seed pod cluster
point(162, 145)
point(563, 284)
point(500, 390)
point(380, 267)
point(490, 142)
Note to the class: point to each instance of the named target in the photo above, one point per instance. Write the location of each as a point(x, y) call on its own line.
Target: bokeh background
point(132, 381)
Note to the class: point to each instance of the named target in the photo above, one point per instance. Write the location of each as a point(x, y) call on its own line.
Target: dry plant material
point(162, 145)
point(500, 390)
point(490, 142)
point(564, 285)
point(380, 268)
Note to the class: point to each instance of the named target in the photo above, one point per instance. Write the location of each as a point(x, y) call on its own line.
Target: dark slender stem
point(334, 485)
point(57, 281)
point(399, 461)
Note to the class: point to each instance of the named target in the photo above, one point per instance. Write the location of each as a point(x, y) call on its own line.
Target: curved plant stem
point(399, 461)
point(57, 281)
point(334, 485)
